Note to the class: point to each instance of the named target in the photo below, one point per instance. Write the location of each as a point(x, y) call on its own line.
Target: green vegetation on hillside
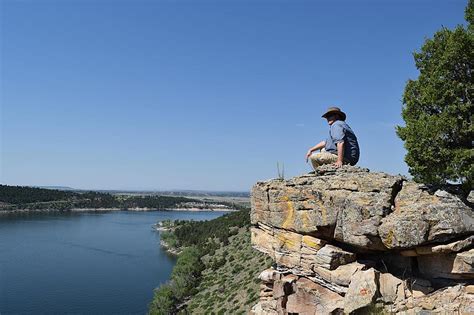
point(19, 197)
point(22, 194)
point(206, 235)
point(230, 283)
point(216, 271)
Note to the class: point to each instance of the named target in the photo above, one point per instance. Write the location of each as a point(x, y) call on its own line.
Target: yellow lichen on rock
point(313, 242)
point(305, 219)
point(290, 216)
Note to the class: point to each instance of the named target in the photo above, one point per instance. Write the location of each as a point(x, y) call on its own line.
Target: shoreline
point(103, 210)
point(168, 249)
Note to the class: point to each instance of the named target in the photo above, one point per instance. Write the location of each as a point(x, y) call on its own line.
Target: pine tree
point(438, 108)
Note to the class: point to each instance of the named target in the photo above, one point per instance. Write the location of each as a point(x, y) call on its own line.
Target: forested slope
point(21, 197)
point(216, 271)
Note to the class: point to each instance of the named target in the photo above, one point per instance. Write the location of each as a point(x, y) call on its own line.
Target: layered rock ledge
point(346, 240)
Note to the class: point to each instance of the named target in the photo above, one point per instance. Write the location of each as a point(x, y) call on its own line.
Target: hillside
point(230, 281)
point(222, 264)
point(22, 198)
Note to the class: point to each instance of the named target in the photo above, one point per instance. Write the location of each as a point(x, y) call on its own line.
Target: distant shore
point(78, 210)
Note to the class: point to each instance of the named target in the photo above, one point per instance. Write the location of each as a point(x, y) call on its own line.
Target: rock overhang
point(366, 210)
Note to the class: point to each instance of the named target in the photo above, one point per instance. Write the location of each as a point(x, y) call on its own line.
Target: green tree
point(438, 108)
point(187, 272)
point(163, 301)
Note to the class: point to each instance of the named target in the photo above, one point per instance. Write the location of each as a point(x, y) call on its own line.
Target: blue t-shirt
point(340, 131)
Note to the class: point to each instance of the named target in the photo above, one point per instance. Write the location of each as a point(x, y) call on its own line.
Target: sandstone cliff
point(348, 240)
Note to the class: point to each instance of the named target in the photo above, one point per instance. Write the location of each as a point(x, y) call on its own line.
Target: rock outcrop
point(346, 240)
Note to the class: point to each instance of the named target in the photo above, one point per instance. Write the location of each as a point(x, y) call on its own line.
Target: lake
point(84, 263)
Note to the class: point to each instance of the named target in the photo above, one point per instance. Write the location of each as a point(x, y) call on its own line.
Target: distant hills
point(173, 192)
point(204, 193)
point(54, 187)
point(22, 198)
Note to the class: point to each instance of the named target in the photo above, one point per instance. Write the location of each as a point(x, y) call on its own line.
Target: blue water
point(88, 263)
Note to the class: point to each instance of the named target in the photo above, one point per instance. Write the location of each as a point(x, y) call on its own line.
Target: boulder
point(450, 300)
point(291, 249)
point(311, 298)
point(417, 288)
point(420, 217)
point(331, 257)
point(391, 288)
point(345, 204)
point(265, 308)
point(284, 287)
point(269, 275)
point(370, 211)
point(280, 289)
point(470, 197)
point(450, 266)
point(309, 249)
point(362, 291)
point(464, 263)
point(342, 275)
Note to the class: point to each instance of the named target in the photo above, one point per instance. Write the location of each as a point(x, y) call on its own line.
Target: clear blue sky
point(201, 94)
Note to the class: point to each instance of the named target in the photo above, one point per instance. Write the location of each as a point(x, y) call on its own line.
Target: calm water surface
point(88, 263)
